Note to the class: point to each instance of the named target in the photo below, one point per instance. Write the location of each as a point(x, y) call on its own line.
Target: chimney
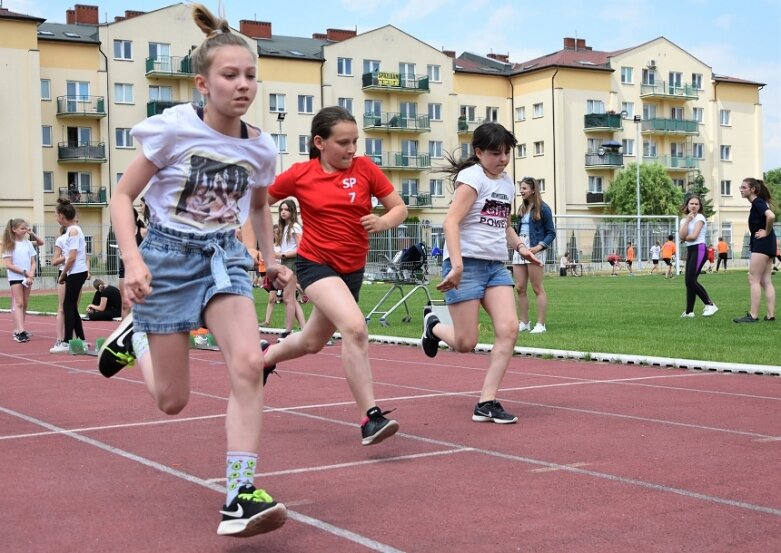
point(130, 14)
point(319, 36)
point(580, 44)
point(449, 53)
point(82, 14)
point(255, 29)
point(338, 35)
point(504, 58)
point(569, 43)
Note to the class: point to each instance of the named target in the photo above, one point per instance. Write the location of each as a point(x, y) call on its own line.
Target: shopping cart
point(408, 268)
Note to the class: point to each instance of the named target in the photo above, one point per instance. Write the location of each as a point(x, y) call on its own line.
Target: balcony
point(675, 163)
point(156, 107)
point(595, 197)
point(170, 66)
point(666, 91)
point(417, 200)
point(92, 107)
point(81, 152)
point(398, 160)
point(86, 198)
point(608, 160)
point(396, 122)
point(467, 126)
point(670, 126)
point(395, 82)
point(594, 122)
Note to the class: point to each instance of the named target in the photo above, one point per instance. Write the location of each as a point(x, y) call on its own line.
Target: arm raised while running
point(395, 213)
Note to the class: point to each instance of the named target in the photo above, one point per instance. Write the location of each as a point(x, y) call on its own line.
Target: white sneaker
point(538, 329)
point(709, 310)
point(686, 315)
point(524, 327)
point(59, 347)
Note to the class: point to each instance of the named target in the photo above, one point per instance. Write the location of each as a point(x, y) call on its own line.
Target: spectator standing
point(655, 252)
point(19, 257)
point(693, 231)
point(669, 249)
point(722, 248)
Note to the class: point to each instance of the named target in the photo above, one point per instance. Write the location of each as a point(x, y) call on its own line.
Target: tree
point(773, 181)
point(697, 186)
point(658, 194)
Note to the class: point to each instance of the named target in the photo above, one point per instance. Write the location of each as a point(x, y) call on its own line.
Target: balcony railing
point(595, 197)
point(170, 66)
point(85, 197)
point(604, 160)
point(466, 126)
point(81, 152)
point(664, 89)
point(396, 122)
point(602, 122)
point(417, 200)
point(93, 107)
point(675, 163)
point(395, 82)
point(670, 126)
point(398, 160)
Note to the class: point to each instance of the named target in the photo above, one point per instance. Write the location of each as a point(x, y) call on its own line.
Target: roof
point(63, 32)
point(735, 80)
point(299, 48)
point(581, 59)
point(8, 14)
point(468, 62)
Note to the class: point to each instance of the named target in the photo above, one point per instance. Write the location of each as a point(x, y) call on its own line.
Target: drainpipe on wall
point(553, 115)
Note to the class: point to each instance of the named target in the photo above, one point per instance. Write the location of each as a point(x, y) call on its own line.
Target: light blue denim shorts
point(188, 270)
point(478, 275)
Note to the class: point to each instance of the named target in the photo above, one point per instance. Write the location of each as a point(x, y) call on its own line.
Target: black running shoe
point(428, 341)
point(23, 336)
point(746, 319)
point(492, 411)
point(267, 369)
point(377, 428)
point(251, 512)
point(116, 353)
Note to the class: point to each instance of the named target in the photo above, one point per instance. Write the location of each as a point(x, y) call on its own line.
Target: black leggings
point(722, 257)
point(70, 305)
point(695, 260)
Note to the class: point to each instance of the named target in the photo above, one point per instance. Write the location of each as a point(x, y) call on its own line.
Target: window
point(649, 112)
point(595, 106)
point(48, 181)
point(407, 74)
point(46, 136)
point(371, 66)
point(697, 81)
point(409, 153)
point(725, 117)
point(46, 89)
point(436, 187)
point(161, 52)
point(541, 185)
point(123, 138)
point(697, 114)
point(374, 149)
point(276, 103)
point(88, 244)
point(677, 149)
point(726, 188)
point(593, 145)
point(698, 150)
point(123, 50)
point(520, 113)
point(435, 148)
point(161, 94)
point(539, 148)
point(680, 183)
point(306, 104)
point(726, 232)
point(409, 110)
point(468, 112)
point(628, 146)
point(595, 185)
point(676, 81)
point(466, 150)
point(198, 98)
point(435, 112)
point(303, 144)
point(492, 114)
point(344, 67)
point(123, 93)
point(627, 75)
point(629, 108)
point(80, 180)
point(434, 73)
point(281, 141)
point(537, 110)
point(409, 187)
point(649, 77)
point(726, 153)
point(520, 150)
point(649, 148)
point(346, 103)
point(676, 113)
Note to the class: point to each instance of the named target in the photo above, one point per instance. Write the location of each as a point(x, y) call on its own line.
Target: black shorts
point(309, 272)
point(14, 282)
point(668, 261)
point(655, 261)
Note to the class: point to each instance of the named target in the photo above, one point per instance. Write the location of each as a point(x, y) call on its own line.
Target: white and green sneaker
point(116, 353)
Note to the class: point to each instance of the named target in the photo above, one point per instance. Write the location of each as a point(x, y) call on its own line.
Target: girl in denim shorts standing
point(477, 235)
point(207, 172)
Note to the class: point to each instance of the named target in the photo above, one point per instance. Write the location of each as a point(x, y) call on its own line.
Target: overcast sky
point(738, 39)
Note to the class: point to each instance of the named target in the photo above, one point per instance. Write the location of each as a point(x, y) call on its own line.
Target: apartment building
point(579, 114)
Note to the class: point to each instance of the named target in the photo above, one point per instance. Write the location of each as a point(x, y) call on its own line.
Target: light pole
point(280, 120)
point(639, 146)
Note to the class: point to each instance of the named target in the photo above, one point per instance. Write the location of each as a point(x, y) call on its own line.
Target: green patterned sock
point(240, 470)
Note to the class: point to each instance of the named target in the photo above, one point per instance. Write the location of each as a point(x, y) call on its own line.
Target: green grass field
point(627, 315)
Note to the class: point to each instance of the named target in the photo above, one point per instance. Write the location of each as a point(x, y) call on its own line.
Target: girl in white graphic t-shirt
point(19, 260)
point(478, 234)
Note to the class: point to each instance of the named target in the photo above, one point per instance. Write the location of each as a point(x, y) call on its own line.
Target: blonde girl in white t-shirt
point(19, 260)
point(290, 237)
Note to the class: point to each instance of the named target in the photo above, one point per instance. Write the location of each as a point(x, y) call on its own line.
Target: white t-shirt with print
point(693, 223)
point(204, 180)
point(288, 242)
point(483, 228)
point(78, 243)
point(22, 256)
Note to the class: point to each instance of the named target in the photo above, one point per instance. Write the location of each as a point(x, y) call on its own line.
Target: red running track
point(605, 458)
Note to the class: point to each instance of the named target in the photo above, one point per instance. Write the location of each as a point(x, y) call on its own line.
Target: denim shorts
point(478, 275)
point(309, 272)
point(188, 270)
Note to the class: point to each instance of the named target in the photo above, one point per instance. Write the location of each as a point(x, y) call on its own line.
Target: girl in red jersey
point(334, 190)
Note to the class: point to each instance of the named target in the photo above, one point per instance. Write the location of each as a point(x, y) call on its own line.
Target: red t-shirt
point(332, 205)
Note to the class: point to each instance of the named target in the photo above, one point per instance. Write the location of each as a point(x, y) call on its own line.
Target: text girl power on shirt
point(495, 211)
